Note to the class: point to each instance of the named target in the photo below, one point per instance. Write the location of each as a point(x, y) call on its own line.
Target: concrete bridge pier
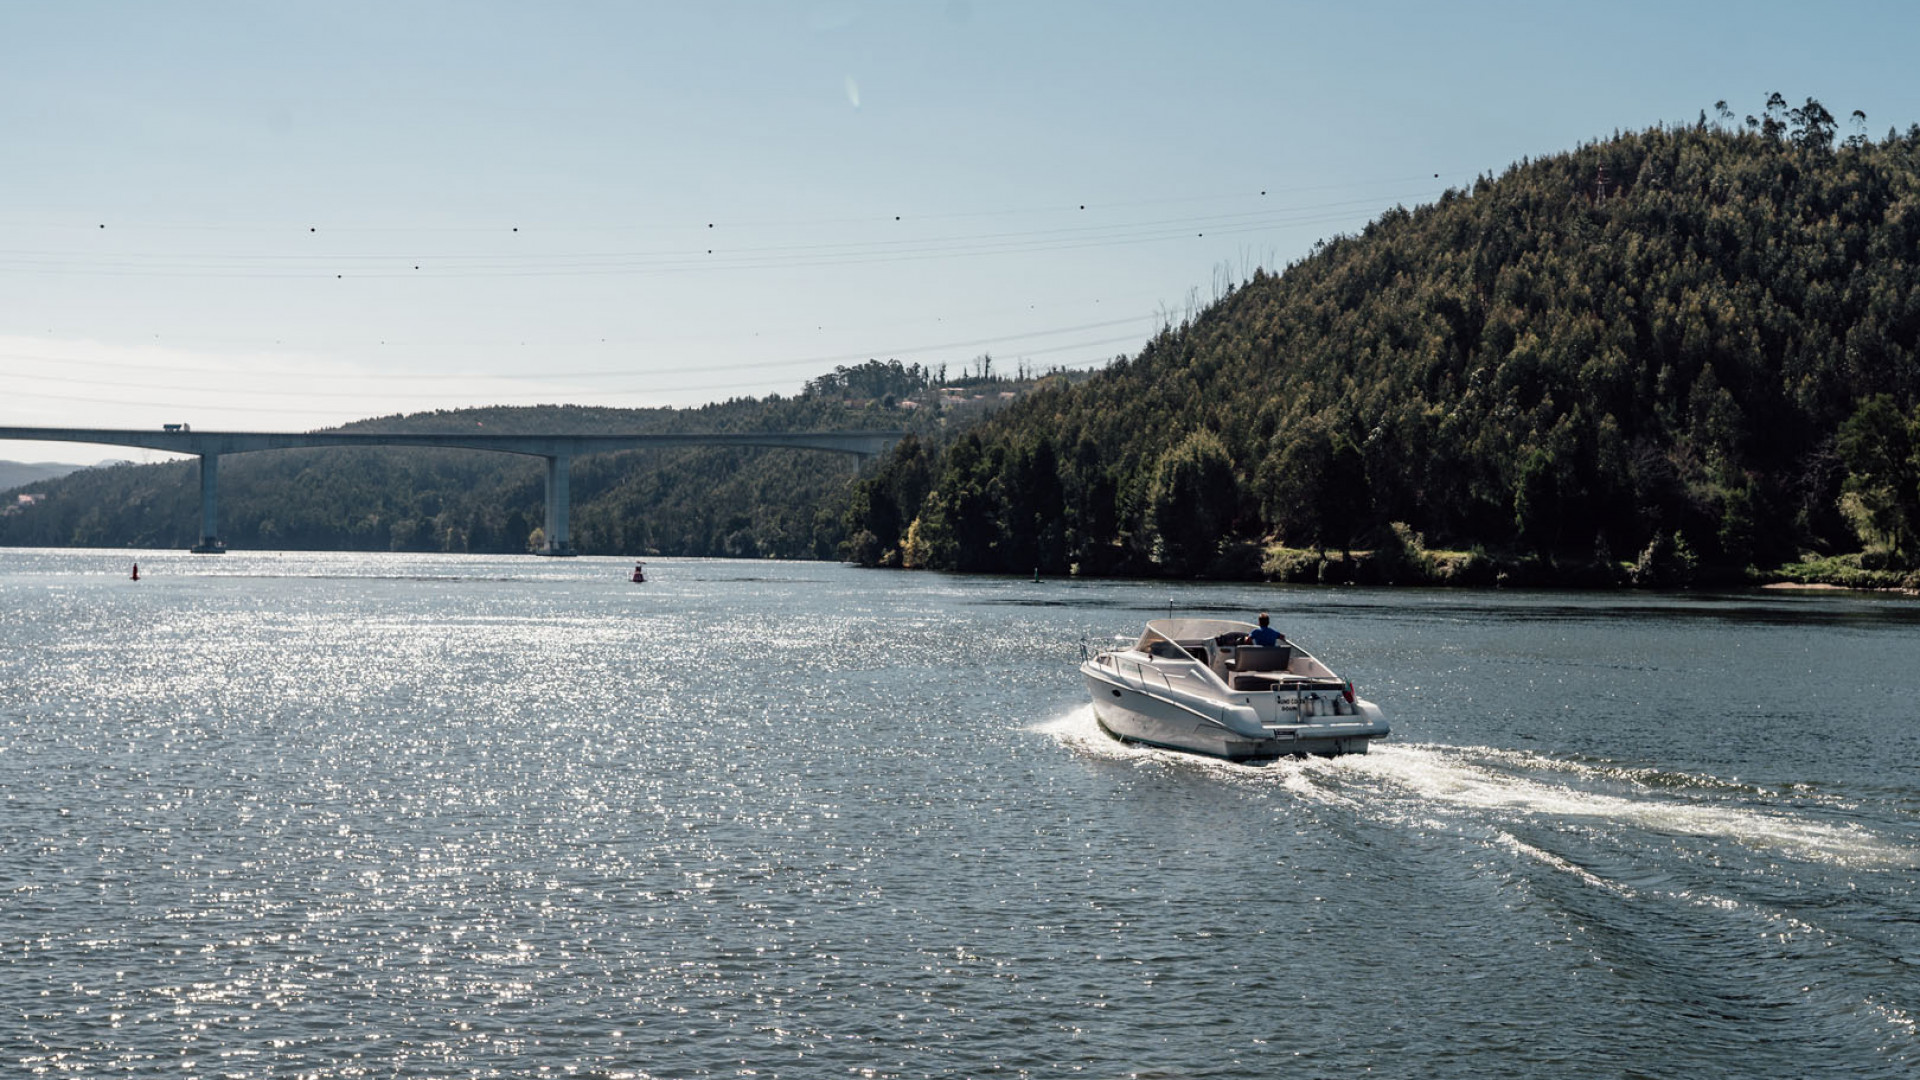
point(559, 450)
point(559, 468)
point(209, 516)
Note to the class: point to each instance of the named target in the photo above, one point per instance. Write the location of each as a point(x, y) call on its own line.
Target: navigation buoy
point(136, 571)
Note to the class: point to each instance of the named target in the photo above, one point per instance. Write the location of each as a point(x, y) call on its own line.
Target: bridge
point(558, 450)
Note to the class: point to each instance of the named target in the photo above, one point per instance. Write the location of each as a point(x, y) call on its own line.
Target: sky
point(291, 215)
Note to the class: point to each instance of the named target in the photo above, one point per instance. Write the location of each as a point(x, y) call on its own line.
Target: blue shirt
point(1265, 635)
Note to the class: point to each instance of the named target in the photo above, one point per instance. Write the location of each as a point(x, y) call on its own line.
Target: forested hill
point(1703, 335)
point(1697, 343)
point(703, 501)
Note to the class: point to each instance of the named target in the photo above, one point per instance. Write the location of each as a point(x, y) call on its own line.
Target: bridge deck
point(239, 442)
point(558, 450)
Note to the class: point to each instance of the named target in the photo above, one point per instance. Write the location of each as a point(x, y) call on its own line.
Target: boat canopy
point(1178, 630)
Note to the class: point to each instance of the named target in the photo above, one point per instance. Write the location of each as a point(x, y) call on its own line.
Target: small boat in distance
point(1200, 685)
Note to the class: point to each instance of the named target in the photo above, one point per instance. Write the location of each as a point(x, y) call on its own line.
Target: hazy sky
point(287, 215)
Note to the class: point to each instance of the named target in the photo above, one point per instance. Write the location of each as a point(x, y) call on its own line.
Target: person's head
point(1263, 618)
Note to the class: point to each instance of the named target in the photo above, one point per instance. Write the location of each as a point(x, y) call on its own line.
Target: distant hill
point(679, 502)
point(1696, 345)
point(14, 474)
point(1691, 343)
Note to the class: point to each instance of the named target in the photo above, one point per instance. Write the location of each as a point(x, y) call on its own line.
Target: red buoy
point(136, 571)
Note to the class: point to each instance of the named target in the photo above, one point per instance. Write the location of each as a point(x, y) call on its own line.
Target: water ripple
point(337, 816)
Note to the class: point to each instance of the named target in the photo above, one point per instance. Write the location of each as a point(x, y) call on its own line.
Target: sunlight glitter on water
point(468, 816)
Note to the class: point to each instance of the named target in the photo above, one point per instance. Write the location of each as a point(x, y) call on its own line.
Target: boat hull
point(1132, 715)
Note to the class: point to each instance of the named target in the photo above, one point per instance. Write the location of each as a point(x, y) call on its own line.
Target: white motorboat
point(1200, 685)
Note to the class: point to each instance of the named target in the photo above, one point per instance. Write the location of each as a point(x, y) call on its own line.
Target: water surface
point(320, 815)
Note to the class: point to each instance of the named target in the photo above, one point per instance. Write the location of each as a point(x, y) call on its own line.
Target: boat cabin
point(1224, 648)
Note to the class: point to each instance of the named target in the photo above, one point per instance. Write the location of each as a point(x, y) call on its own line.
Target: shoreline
point(1416, 568)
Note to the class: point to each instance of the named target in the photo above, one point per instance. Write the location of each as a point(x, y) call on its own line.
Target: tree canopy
point(697, 501)
point(1696, 343)
point(1663, 336)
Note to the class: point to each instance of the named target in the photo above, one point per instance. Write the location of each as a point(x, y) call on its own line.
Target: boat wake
point(1077, 730)
point(1500, 793)
point(1504, 785)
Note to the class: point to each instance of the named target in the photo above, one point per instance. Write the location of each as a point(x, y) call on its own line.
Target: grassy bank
point(1840, 571)
point(1664, 565)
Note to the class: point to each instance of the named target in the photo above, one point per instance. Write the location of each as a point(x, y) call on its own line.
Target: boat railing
point(1139, 678)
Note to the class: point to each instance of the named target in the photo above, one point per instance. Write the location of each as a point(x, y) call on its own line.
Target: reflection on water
point(340, 815)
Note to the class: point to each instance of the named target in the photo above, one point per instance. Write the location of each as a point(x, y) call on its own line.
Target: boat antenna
point(1169, 607)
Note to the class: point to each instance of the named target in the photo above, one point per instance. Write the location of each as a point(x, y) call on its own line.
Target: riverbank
point(1661, 567)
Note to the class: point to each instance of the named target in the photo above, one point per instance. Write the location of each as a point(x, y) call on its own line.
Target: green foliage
point(1402, 555)
point(1315, 489)
point(1844, 571)
point(1881, 449)
point(708, 501)
point(1402, 558)
point(1190, 503)
point(1667, 563)
point(1686, 342)
point(873, 517)
point(1650, 342)
point(872, 380)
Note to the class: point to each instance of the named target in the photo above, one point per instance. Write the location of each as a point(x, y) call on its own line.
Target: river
point(332, 815)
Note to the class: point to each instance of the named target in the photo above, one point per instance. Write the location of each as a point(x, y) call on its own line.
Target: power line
point(752, 365)
point(201, 405)
point(803, 256)
point(106, 225)
point(598, 342)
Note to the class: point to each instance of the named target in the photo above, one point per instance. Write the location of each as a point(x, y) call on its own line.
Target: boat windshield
point(1188, 630)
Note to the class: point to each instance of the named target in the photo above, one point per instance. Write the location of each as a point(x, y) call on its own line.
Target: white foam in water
point(1547, 787)
point(1077, 729)
point(1444, 775)
point(1519, 846)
